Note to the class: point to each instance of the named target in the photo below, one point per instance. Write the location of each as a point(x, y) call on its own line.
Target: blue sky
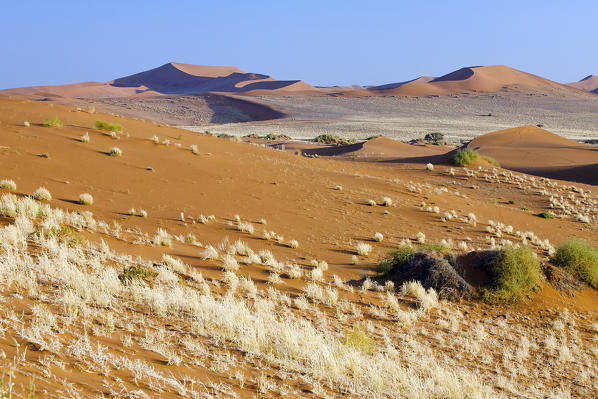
point(322, 42)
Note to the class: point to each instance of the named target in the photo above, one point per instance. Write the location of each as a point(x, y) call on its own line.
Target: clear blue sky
point(322, 42)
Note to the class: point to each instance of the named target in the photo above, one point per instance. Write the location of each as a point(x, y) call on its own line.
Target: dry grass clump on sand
point(42, 194)
point(82, 299)
point(8, 185)
point(115, 152)
point(85, 138)
point(378, 237)
point(363, 249)
point(85, 199)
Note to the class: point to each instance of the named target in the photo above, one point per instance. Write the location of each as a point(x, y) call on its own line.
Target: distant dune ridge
point(177, 78)
point(589, 83)
point(472, 80)
point(171, 78)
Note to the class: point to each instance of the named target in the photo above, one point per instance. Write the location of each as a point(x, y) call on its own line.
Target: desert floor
point(208, 267)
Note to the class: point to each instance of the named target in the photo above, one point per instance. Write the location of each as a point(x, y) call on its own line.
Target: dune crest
point(493, 78)
point(589, 83)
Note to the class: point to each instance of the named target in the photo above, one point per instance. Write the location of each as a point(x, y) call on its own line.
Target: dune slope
point(537, 151)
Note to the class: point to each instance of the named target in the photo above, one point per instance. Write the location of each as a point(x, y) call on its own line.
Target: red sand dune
point(472, 80)
point(171, 78)
point(533, 150)
point(589, 83)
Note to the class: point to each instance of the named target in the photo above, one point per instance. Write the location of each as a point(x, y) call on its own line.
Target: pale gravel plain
point(459, 117)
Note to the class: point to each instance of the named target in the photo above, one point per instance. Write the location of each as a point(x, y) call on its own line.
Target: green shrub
point(580, 259)
point(513, 272)
point(52, 122)
point(546, 215)
point(465, 156)
point(111, 127)
point(332, 139)
point(490, 160)
point(136, 272)
point(397, 256)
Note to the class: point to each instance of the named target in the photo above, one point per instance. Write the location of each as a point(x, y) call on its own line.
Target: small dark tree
point(435, 138)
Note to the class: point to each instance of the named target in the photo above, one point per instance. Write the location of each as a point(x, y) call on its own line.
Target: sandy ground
point(468, 349)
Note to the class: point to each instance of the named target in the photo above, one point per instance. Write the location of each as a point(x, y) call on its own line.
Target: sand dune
point(473, 80)
point(171, 78)
point(589, 83)
point(537, 151)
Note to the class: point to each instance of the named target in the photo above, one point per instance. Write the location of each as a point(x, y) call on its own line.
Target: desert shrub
point(378, 237)
point(435, 138)
point(490, 160)
point(42, 194)
point(513, 271)
point(546, 215)
point(396, 257)
point(363, 249)
point(136, 272)
point(115, 152)
point(62, 233)
point(332, 139)
point(8, 184)
point(465, 156)
point(358, 339)
point(580, 259)
point(111, 127)
point(85, 199)
point(85, 138)
point(52, 122)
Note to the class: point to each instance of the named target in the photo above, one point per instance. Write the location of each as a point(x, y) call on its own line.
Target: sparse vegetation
point(514, 271)
point(52, 122)
point(546, 215)
point(8, 185)
point(42, 194)
point(490, 160)
point(136, 272)
point(115, 152)
point(85, 138)
point(85, 199)
point(363, 249)
point(580, 259)
point(465, 156)
point(110, 127)
point(332, 139)
point(396, 257)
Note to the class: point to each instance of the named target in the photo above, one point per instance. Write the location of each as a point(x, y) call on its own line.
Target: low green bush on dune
point(513, 272)
point(111, 127)
point(580, 259)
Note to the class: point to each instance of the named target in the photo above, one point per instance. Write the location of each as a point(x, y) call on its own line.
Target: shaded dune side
point(536, 151)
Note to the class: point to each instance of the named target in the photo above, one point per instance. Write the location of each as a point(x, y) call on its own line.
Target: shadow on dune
point(587, 174)
point(221, 106)
point(461, 74)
